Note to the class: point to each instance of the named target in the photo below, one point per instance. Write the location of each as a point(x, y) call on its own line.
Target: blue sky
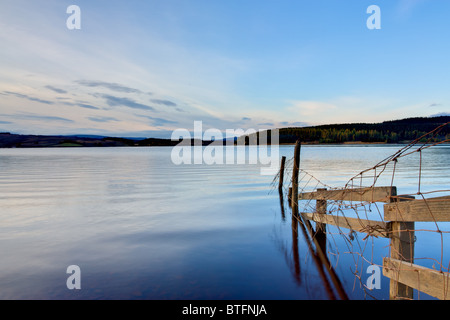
point(146, 68)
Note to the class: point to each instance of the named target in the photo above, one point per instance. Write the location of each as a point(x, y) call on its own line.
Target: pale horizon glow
point(147, 68)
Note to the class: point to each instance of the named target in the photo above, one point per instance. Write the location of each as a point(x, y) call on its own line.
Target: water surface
point(141, 227)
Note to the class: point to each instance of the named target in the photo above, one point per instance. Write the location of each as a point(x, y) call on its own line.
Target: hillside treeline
point(397, 131)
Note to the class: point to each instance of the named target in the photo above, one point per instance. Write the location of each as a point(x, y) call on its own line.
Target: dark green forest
point(396, 131)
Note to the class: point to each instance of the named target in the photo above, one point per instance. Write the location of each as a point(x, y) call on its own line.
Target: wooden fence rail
point(429, 281)
point(375, 194)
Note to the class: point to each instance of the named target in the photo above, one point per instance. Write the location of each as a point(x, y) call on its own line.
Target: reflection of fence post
point(294, 195)
point(402, 248)
point(280, 186)
point(290, 197)
point(321, 208)
point(280, 182)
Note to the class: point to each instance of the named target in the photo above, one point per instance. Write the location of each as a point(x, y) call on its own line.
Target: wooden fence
point(400, 215)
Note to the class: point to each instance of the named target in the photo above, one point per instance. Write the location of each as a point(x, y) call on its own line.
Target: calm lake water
point(141, 227)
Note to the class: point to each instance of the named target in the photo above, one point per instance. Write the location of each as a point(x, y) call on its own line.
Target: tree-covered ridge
point(395, 131)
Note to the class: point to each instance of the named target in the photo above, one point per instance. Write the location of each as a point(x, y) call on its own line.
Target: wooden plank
point(431, 209)
point(375, 194)
point(429, 281)
point(376, 228)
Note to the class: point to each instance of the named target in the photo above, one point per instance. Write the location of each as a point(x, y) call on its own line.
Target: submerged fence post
point(321, 208)
point(280, 182)
point(295, 170)
point(280, 186)
point(402, 248)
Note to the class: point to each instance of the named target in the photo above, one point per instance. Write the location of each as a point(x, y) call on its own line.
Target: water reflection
point(295, 250)
point(283, 215)
point(316, 241)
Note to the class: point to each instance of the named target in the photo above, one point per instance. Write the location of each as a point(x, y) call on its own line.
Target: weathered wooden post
point(321, 208)
point(295, 170)
point(402, 248)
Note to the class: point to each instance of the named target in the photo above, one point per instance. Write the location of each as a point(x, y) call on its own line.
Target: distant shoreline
point(389, 132)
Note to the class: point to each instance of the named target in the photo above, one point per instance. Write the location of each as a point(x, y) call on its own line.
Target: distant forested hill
point(396, 131)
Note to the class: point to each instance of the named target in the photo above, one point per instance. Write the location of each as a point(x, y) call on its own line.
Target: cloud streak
point(158, 121)
point(167, 103)
point(87, 106)
point(102, 119)
point(24, 96)
point(108, 85)
point(113, 101)
point(81, 105)
point(32, 116)
point(57, 90)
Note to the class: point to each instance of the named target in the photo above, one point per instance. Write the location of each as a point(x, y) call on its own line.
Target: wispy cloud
point(103, 119)
point(33, 116)
point(158, 121)
point(24, 96)
point(113, 101)
point(164, 102)
point(81, 105)
point(109, 85)
point(57, 90)
point(87, 106)
point(161, 122)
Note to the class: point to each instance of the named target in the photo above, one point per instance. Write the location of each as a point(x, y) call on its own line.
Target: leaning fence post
point(295, 169)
